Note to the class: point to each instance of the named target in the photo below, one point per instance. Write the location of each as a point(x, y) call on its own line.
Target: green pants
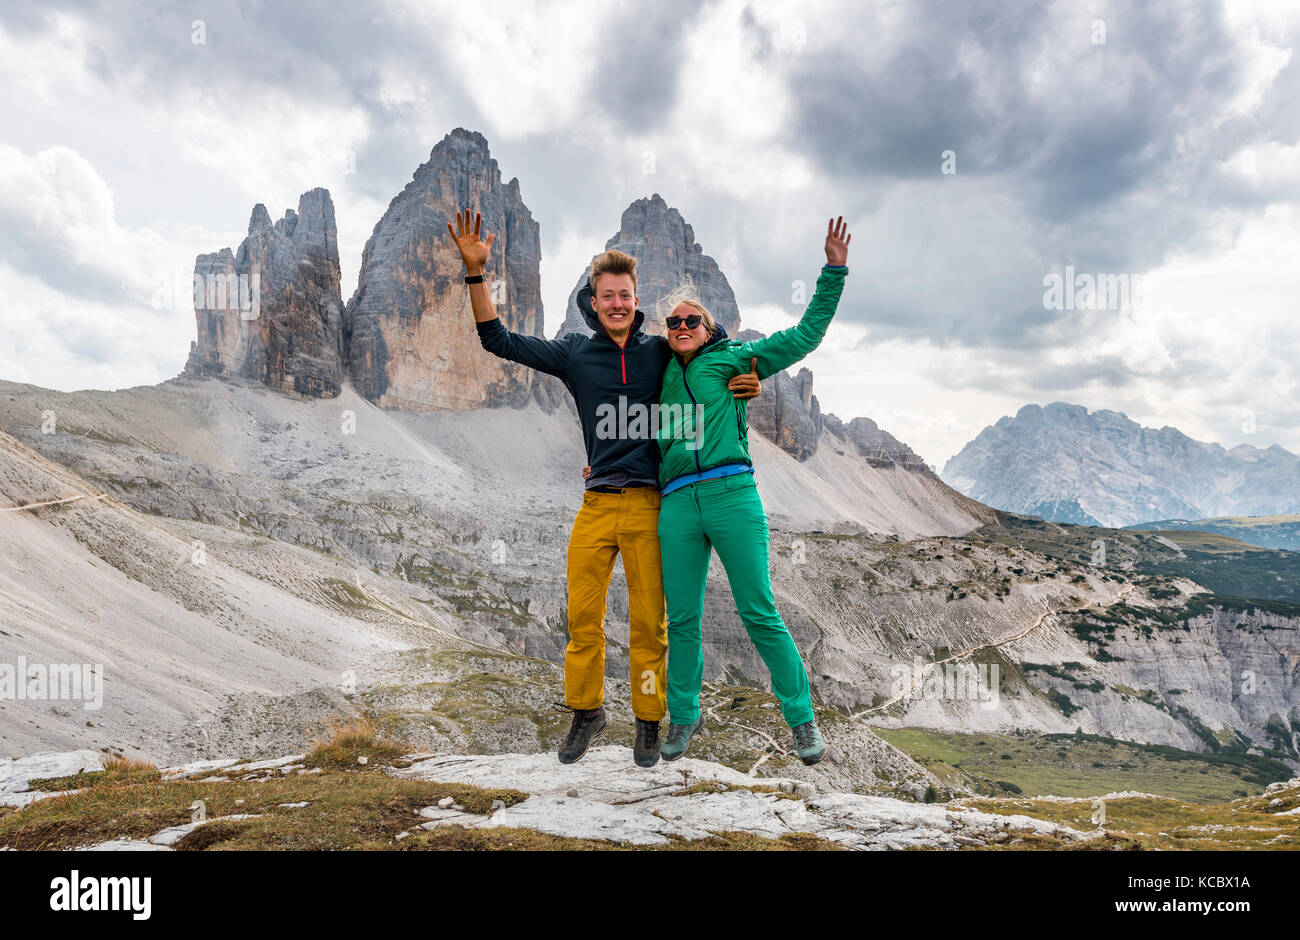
point(723, 514)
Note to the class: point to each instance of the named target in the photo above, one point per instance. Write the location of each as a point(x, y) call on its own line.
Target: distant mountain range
point(1066, 464)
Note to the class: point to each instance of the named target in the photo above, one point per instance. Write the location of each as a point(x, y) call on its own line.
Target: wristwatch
point(474, 279)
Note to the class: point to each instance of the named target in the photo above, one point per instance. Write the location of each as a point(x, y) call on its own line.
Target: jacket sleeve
point(783, 349)
point(544, 355)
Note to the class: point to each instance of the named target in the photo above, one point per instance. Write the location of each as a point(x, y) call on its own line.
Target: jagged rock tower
point(666, 253)
point(273, 311)
point(409, 332)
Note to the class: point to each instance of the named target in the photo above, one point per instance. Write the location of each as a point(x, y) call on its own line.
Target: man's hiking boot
point(587, 723)
point(809, 743)
point(679, 737)
point(646, 749)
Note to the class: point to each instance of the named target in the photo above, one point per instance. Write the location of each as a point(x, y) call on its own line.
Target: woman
point(710, 500)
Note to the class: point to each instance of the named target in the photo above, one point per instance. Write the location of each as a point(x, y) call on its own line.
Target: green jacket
point(700, 424)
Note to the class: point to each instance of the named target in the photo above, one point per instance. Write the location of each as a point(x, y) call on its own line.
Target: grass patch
point(117, 769)
point(1092, 765)
point(345, 810)
point(350, 739)
point(1145, 824)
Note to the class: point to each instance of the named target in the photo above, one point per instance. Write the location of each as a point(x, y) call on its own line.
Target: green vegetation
point(117, 769)
point(1280, 531)
point(1062, 701)
point(1093, 765)
point(1161, 823)
point(348, 741)
point(1219, 562)
point(1251, 572)
point(1199, 604)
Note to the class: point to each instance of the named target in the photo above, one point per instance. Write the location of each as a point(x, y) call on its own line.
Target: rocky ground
point(605, 797)
point(530, 801)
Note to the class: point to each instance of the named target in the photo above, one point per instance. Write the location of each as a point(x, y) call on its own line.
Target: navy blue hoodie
point(598, 373)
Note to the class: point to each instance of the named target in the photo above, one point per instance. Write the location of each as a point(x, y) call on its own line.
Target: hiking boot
point(587, 723)
point(809, 743)
point(646, 749)
point(679, 736)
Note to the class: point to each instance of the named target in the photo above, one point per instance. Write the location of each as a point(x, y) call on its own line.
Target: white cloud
point(53, 340)
point(525, 65)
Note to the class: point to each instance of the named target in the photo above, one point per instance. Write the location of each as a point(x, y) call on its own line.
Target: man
point(614, 375)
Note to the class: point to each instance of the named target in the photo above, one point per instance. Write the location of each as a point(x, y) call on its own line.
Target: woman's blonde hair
point(685, 294)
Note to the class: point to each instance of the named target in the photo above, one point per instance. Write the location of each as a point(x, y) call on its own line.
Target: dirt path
point(917, 678)
point(52, 502)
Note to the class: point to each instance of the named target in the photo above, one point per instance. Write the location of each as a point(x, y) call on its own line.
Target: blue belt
point(726, 470)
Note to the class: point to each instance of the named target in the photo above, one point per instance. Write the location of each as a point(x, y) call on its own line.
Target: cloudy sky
point(976, 149)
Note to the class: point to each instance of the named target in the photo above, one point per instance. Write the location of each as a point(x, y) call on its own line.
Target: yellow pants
point(610, 524)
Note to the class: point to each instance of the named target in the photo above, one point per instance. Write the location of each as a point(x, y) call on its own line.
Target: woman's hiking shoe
point(646, 749)
point(679, 737)
point(808, 742)
point(587, 723)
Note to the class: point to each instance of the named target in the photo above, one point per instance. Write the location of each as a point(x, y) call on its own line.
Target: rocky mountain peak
point(261, 219)
point(1067, 464)
point(667, 254)
point(410, 333)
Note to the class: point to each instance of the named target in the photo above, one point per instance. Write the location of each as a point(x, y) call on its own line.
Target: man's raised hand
point(747, 384)
point(837, 241)
point(473, 251)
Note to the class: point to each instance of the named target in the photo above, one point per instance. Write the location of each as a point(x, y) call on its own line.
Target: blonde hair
point(613, 262)
point(685, 294)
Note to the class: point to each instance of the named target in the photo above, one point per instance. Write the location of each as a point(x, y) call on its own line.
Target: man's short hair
point(613, 262)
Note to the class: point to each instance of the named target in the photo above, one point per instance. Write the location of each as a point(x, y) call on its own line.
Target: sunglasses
point(691, 322)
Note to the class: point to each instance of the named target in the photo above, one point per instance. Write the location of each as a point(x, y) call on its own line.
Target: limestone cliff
point(273, 311)
point(409, 330)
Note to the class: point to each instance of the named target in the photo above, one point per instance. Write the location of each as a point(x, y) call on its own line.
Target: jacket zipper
point(695, 406)
point(622, 352)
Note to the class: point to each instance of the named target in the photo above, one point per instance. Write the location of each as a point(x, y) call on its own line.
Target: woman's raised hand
point(837, 241)
point(473, 251)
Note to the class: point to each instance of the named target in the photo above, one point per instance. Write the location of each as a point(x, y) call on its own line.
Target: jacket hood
point(589, 314)
point(717, 338)
point(719, 334)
